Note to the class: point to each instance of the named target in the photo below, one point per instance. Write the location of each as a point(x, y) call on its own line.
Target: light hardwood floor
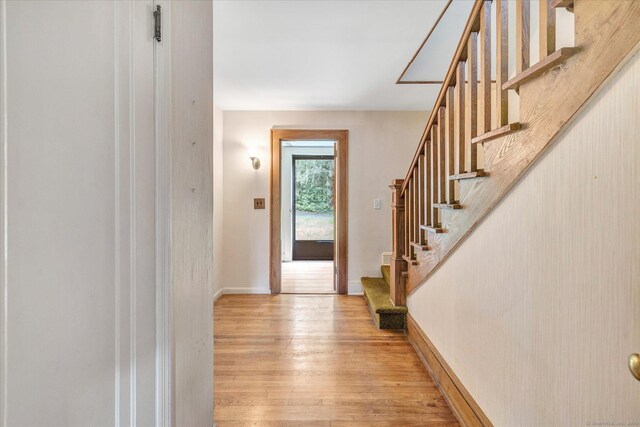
point(316, 360)
point(307, 277)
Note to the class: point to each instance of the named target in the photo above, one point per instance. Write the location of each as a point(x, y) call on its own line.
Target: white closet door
point(78, 194)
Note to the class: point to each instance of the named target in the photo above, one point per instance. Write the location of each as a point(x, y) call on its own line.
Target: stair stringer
point(605, 36)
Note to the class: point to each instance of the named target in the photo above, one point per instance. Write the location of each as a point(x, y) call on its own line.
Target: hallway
point(316, 360)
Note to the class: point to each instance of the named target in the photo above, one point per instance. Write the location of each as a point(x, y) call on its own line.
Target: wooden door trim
point(341, 209)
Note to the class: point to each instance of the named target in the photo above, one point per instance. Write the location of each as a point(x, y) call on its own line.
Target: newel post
point(398, 264)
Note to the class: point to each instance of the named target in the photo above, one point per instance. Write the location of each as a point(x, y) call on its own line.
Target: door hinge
point(157, 27)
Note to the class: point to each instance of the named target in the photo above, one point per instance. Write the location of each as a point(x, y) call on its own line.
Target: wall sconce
point(255, 162)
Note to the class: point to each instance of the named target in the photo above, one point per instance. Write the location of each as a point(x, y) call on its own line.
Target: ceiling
point(323, 54)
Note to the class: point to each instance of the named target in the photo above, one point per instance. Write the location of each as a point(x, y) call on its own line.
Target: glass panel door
point(313, 207)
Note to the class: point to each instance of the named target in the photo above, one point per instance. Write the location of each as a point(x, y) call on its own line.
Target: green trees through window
point(314, 185)
point(314, 198)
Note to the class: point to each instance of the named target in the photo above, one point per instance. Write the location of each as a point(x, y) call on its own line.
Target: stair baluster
point(434, 177)
point(427, 186)
point(502, 61)
point(472, 63)
point(461, 140)
point(523, 25)
point(465, 119)
point(416, 204)
point(450, 146)
point(484, 101)
point(442, 168)
point(420, 200)
point(547, 29)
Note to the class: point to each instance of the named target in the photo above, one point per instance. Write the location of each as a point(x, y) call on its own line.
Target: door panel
point(79, 253)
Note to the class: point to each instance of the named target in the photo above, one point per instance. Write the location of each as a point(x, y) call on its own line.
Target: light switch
point(376, 204)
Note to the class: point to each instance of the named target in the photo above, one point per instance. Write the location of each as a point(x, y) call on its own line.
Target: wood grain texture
point(502, 61)
point(461, 140)
point(432, 229)
point(553, 60)
point(435, 214)
point(419, 246)
point(523, 35)
point(547, 29)
point(472, 64)
point(405, 240)
point(421, 194)
point(469, 175)
point(484, 59)
point(399, 237)
point(342, 212)
point(447, 206)
point(341, 209)
point(450, 145)
point(411, 260)
point(496, 133)
point(410, 219)
point(192, 211)
point(307, 277)
point(517, 312)
point(317, 360)
point(427, 183)
point(442, 155)
point(464, 407)
point(563, 3)
point(606, 36)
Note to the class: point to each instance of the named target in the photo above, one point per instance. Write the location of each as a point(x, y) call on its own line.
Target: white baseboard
point(217, 294)
point(247, 291)
point(354, 287)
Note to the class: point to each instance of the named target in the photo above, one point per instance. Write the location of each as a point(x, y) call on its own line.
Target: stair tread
point(468, 175)
point(410, 260)
point(432, 229)
point(563, 3)
point(447, 205)
point(420, 246)
point(496, 133)
point(378, 296)
point(541, 67)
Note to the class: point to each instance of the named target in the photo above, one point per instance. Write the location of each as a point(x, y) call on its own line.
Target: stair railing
point(466, 114)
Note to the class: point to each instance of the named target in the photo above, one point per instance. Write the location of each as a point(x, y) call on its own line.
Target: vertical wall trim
point(3, 209)
point(162, 123)
point(132, 229)
point(116, 167)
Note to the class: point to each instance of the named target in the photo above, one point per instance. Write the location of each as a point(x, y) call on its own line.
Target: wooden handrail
point(471, 151)
point(460, 54)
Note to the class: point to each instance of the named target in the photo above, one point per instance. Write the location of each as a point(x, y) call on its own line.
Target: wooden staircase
point(472, 152)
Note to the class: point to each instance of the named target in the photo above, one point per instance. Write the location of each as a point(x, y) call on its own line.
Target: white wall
point(381, 145)
point(217, 200)
point(77, 278)
point(537, 311)
point(192, 210)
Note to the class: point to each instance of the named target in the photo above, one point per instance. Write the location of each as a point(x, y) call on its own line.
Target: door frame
point(341, 137)
point(293, 196)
